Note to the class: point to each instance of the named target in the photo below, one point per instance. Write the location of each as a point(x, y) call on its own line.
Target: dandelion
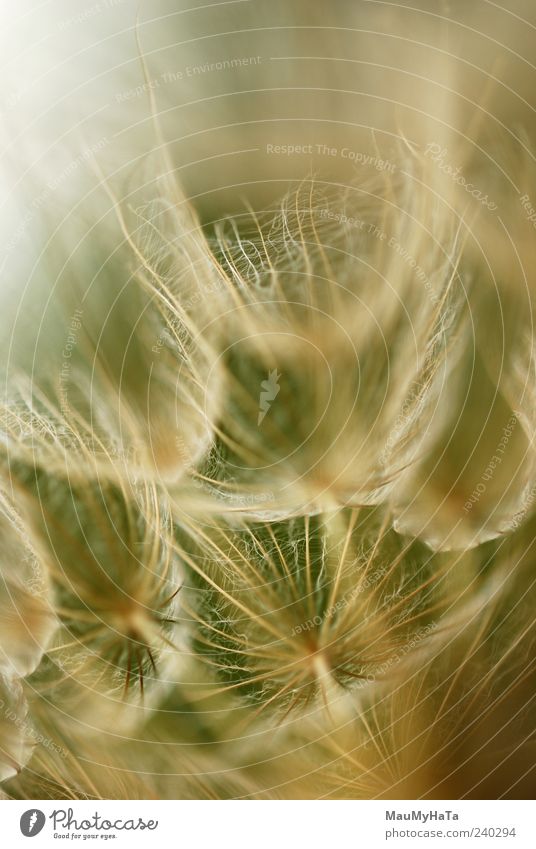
point(360, 349)
point(116, 583)
point(267, 420)
point(293, 615)
point(455, 723)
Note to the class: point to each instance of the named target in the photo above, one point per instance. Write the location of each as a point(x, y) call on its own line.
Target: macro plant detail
point(268, 411)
